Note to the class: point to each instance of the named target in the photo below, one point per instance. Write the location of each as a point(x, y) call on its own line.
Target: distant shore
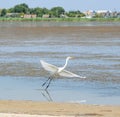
point(58, 109)
point(62, 19)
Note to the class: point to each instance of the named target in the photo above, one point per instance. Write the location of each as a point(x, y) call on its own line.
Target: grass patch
point(62, 19)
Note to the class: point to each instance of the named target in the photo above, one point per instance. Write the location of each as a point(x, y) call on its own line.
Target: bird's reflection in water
point(46, 94)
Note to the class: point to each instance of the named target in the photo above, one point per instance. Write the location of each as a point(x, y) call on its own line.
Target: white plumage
point(54, 70)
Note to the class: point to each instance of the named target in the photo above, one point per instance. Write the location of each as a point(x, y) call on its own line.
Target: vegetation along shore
point(22, 12)
point(63, 19)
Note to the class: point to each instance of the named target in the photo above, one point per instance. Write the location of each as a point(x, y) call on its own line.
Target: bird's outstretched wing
point(51, 68)
point(48, 67)
point(66, 73)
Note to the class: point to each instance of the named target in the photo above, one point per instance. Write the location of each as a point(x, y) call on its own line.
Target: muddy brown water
point(96, 48)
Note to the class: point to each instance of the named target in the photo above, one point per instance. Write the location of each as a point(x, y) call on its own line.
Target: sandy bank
point(57, 109)
point(24, 115)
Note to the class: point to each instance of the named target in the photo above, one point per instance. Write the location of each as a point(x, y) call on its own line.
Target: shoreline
point(57, 109)
point(62, 19)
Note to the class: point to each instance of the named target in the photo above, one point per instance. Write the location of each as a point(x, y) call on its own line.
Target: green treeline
point(55, 12)
point(22, 12)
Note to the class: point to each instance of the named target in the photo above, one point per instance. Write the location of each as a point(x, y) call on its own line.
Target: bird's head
point(69, 57)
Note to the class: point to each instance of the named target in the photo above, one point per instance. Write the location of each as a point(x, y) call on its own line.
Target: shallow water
point(95, 46)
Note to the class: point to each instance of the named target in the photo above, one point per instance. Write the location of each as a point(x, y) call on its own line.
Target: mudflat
point(58, 109)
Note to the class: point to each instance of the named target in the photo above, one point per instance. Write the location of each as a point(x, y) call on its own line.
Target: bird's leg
point(49, 83)
point(45, 81)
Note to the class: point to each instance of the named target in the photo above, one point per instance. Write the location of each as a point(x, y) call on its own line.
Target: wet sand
point(58, 109)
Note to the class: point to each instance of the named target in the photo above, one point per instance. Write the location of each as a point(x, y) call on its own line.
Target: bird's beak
point(72, 57)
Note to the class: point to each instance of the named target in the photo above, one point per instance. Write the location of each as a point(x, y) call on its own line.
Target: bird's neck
point(65, 63)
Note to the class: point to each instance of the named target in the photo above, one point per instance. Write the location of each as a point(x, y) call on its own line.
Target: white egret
point(54, 70)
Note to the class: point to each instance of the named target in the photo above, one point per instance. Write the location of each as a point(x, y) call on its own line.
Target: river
point(95, 47)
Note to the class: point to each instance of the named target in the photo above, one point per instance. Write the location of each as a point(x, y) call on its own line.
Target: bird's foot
point(43, 84)
point(47, 87)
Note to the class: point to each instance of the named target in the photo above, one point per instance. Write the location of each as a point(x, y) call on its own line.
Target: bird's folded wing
point(66, 73)
point(48, 67)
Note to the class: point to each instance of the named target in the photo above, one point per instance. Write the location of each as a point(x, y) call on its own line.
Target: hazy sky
point(81, 5)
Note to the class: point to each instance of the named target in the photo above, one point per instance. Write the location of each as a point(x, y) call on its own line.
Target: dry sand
point(26, 108)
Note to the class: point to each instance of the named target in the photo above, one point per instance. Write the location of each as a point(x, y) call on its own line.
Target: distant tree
point(97, 15)
point(45, 11)
point(53, 12)
point(75, 14)
point(71, 14)
point(57, 11)
point(3, 12)
point(11, 10)
point(81, 14)
point(38, 11)
point(21, 8)
point(31, 10)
